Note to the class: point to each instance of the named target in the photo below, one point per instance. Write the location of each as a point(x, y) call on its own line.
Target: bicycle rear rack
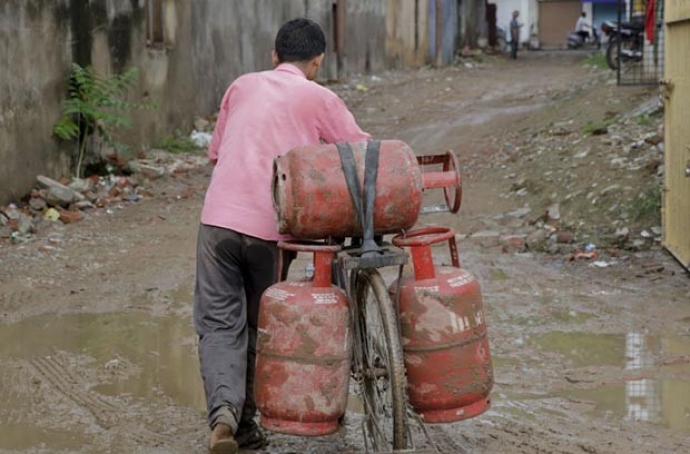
point(389, 255)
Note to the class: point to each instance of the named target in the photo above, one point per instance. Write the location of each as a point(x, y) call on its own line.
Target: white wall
point(529, 16)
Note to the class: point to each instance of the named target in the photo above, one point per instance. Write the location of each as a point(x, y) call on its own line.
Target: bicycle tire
point(612, 53)
point(383, 391)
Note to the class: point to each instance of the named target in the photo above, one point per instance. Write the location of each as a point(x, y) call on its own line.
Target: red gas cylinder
point(312, 198)
point(303, 351)
point(444, 335)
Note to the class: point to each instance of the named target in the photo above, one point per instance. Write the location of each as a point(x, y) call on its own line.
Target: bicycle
point(377, 361)
point(378, 364)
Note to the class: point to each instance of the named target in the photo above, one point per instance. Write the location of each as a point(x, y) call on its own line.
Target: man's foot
point(222, 441)
point(251, 438)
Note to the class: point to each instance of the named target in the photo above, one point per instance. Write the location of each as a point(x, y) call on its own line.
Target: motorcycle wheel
point(612, 53)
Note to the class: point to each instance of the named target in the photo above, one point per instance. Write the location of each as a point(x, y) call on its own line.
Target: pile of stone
point(65, 201)
point(69, 200)
point(522, 230)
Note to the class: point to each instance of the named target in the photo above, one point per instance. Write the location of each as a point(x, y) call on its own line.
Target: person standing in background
point(581, 27)
point(515, 27)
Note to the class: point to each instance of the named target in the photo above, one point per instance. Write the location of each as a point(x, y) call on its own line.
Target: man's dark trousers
point(233, 270)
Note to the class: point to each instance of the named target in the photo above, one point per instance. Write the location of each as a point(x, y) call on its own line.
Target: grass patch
point(497, 274)
point(644, 120)
point(504, 361)
point(597, 127)
point(570, 316)
point(647, 207)
point(177, 143)
point(597, 60)
point(649, 120)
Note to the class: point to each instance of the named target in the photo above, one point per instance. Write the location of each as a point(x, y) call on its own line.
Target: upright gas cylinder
point(303, 350)
point(445, 343)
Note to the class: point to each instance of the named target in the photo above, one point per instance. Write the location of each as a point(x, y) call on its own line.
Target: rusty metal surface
point(449, 178)
point(303, 358)
point(445, 343)
point(312, 199)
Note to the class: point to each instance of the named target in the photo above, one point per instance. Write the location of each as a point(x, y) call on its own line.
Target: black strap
point(347, 160)
point(371, 172)
point(365, 215)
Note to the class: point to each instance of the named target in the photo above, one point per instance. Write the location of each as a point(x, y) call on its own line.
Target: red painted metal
point(312, 199)
point(449, 178)
point(445, 343)
point(303, 350)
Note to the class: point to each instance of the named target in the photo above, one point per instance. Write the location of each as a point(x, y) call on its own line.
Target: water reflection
point(661, 397)
point(642, 397)
point(156, 355)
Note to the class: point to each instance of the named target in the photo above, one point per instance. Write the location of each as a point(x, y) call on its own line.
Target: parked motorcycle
point(577, 41)
point(630, 38)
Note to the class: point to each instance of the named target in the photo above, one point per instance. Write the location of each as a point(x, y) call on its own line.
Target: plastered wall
point(207, 44)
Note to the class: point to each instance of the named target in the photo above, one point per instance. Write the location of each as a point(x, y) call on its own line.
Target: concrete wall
point(366, 36)
point(451, 22)
point(407, 38)
point(34, 53)
point(208, 43)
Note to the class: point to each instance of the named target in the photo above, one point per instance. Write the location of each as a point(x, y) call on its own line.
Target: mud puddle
point(22, 437)
point(652, 384)
point(99, 371)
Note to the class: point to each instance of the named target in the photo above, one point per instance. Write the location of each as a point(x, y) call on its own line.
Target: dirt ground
point(591, 356)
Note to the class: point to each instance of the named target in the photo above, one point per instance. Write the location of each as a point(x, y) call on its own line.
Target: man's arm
point(219, 131)
point(337, 124)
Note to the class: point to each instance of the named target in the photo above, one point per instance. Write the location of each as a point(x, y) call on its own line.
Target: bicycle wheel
point(612, 53)
point(379, 363)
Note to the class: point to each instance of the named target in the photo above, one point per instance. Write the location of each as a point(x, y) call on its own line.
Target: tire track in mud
point(12, 300)
point(141, 436)
point(116, 417)
point(76, 389)
point(445, 442)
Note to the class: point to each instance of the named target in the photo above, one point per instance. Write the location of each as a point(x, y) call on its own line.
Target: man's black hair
point(300, 40)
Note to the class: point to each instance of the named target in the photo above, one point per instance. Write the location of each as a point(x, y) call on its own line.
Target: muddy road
point(98, 351)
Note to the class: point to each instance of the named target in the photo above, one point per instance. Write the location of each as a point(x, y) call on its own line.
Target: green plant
point(597, 60)
point(594, 127)
point(647, 207)
point(643, 120)
point(95, 106)
point(177, 143)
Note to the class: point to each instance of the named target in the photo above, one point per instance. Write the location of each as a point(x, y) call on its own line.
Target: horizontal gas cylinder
point(445, 343)
point(303, 351)
point(312, 198)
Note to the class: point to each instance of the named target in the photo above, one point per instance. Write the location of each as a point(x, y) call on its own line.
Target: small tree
point(95, 107)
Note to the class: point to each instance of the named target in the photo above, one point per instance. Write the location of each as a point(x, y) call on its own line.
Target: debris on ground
point(600, 181)
point(69, 201)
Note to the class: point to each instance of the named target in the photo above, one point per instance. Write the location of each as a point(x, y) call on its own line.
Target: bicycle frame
point(349, 262)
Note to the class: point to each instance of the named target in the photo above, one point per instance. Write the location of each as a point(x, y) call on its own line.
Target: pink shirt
point(264, 115)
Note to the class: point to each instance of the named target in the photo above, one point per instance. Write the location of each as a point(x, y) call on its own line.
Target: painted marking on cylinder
point(325, 298)
point(278, 293)
point(479, 318)
point(460, 280)
point(297, 284)
point(459, 324)
point(462, 323)
point(433, 289)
